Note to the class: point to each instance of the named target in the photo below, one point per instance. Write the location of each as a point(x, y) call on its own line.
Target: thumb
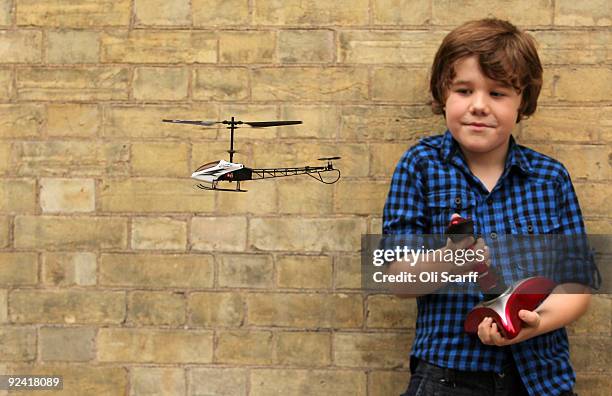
point(455, 215)
point(529, 317)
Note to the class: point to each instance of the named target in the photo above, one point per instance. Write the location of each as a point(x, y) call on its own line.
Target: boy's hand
point(489, 333)
point(468, 243)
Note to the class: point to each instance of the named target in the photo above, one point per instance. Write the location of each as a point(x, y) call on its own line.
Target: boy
point(486, 77)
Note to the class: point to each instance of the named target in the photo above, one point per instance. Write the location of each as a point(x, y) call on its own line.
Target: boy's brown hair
point(504, 53)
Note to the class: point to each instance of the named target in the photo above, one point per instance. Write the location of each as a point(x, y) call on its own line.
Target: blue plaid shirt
point(534, 195)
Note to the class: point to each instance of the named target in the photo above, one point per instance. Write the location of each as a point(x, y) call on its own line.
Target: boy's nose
point(478, 104)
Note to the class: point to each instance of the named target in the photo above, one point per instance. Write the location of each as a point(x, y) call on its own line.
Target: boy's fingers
point(484, 331)
point(529, 317)
point(496, 337)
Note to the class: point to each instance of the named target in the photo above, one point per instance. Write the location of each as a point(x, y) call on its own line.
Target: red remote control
point(502, 306)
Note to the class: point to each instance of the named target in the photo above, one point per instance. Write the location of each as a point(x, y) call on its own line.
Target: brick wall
point(116, 273)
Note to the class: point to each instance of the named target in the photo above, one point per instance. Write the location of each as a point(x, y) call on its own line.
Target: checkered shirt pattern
point(534, 195)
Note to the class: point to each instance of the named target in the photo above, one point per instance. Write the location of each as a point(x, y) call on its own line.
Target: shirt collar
point(516, 156)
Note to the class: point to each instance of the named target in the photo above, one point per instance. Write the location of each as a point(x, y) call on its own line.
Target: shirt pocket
point(442, 204)
point(533, 246)
point(535, 225)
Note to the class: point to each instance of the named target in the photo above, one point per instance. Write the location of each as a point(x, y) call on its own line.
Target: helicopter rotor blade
point(263, 124)
point(192, 122)
point(329, 158)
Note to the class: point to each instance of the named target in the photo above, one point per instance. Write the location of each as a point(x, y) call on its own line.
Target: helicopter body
point(216, 170)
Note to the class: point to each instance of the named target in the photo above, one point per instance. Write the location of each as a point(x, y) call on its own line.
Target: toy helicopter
point(211, 173)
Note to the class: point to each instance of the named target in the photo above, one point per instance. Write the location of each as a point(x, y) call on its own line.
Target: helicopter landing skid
point(215, 188)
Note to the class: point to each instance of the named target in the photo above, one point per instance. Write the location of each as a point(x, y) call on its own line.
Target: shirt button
point(458, 200)
point(490, 201)
point(493, 235)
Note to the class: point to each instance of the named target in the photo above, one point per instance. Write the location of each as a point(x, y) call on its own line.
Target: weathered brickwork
point(120, 275)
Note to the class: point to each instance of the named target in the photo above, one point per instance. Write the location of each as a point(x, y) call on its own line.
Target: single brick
point(348, 271)
point(218, 381)
point(220, 12)
point(216, 310)
point(375, 47)
point(156, 270)
point(388, 123)
point(77, 120)
point(87, 83)
point(309, 272)
point(159, 233)
point(522, 12)
point(219, 234)
point(247, 47)
point(156, 308)
point(67, 344)
point(154, 346)
point(306, 234)
point(6, 83)
point(388, 311)
point(216, 83)
point(6, 12)
point(38, 306)
point(582, 13)
point(154, 381)
point(3, 306)
point(310, 84)
point(296, 12)
point(304, 310)
point(55, 232)
point(308, 382)
point(73, 158)
point(371, 350)
point(251, 271)
point(20, 46)
point(306, 46)
point(17, 343)
point(405, 84)
point(401, 12)
point(160, 83)
point(73, 46)
point(69, 269)
point(145, 46)
point(77, 13)
point(21, 120)
point(23, 189)
point(244, 347)
point(162, 13)
point(18, 269)
point(303, 348)
point(67, 195)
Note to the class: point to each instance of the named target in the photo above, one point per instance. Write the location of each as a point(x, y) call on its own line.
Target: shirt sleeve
point(405, 209)
point(575, 256)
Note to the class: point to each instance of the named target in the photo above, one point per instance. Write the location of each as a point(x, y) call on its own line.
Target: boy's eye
point(463, 91)
point(497, 94)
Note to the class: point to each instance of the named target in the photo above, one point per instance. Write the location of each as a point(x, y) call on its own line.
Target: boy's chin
point(480, 146)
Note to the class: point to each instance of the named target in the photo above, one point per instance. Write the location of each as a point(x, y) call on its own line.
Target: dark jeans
point(430, 380)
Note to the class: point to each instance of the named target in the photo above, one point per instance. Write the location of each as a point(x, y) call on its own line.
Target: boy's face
point(480, 112)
